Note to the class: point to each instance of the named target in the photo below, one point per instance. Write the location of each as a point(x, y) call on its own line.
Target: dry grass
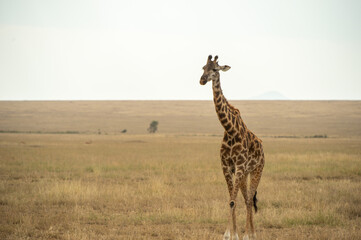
point(87, 186)
point(270, 118)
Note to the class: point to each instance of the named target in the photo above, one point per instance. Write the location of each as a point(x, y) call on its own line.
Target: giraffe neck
point(227, 114)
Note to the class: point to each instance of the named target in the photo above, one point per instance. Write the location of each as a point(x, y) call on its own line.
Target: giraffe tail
point(255, 202)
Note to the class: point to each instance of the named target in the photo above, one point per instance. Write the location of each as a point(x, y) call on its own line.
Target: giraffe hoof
point(227, 235)
point(235, 237)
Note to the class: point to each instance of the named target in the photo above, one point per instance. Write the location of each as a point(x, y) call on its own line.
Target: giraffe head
point(211, 70)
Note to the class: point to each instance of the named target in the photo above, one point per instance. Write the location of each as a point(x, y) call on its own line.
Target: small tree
point(153, 127)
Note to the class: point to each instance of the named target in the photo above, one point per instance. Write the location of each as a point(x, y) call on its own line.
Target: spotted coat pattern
point(241, 150)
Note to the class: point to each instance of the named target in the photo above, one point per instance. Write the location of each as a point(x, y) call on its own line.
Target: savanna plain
point(68, 170)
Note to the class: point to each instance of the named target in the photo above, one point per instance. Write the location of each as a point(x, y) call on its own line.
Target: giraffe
point(241, 152)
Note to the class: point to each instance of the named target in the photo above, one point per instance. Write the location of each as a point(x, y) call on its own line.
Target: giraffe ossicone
point(241, 151)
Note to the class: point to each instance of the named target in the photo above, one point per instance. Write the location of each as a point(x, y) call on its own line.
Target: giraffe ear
point(224, 68)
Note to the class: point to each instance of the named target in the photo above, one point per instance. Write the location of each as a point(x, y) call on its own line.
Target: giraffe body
point(241, 151)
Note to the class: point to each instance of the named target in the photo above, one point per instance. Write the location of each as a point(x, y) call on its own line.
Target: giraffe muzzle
point(203, 81)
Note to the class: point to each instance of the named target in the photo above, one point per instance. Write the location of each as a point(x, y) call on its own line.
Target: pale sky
point(130, 50)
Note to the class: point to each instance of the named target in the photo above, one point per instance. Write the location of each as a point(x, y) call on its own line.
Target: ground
point(60, 179)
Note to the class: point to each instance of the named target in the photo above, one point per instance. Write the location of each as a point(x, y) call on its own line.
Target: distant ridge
point(271, 95)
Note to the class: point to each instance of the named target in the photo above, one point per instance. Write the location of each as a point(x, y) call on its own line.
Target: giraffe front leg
point(239, 180)
point(227, 235)
point(239, 183)
point(227, 172)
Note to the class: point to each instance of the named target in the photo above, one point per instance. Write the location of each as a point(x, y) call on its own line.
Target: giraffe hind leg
point(244, 188)
point(255, 179)
point(255, 202)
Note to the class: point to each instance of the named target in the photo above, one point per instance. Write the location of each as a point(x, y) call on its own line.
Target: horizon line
point(100, 100)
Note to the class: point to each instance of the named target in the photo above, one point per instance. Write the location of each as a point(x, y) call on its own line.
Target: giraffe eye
point(214, 70)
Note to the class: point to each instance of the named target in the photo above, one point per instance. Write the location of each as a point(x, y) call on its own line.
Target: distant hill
point(272, 95)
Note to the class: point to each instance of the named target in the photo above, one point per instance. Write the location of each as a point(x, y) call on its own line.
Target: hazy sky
point(72, 49)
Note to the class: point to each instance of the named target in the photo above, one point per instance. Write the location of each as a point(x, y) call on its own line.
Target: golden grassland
point(266, 118)
point(170, 185)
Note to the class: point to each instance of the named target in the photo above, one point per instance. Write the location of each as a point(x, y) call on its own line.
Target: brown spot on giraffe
point(228, 126)
point(242, 131)
point(251, 148)
point(218, 107)
point(221, 115)
point(241, 150)
point(237, 124)
point(223, 121)
point(225, 137)
point(244, 144)
point(237, 138)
